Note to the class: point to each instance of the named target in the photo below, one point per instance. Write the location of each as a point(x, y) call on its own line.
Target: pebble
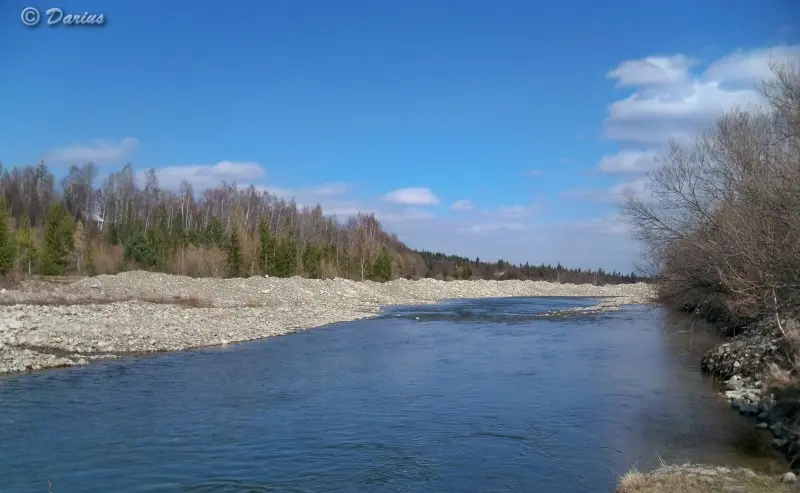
point(239, 309)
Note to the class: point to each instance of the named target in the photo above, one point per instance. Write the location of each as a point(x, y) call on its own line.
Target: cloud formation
point(413, 196)
point(673, 99)
point(98, 151)
point(209, 175)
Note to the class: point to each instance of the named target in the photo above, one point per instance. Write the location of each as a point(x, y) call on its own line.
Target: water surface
point(466, 396)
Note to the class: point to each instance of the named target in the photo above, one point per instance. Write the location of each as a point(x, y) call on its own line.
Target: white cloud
point(413, 196)
point(98, 151)
point(670, 100)
point(462, 205)
point(631, 161)
point(207, 176)
point(409, 214)
point(748, 68)
point(652, 70)
point(535, 172)
point(615, 194)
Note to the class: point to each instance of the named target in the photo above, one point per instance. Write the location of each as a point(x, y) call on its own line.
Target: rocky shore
point(743, 367)
point(46, 325)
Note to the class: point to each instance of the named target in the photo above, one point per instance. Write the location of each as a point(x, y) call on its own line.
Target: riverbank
point(47, 325)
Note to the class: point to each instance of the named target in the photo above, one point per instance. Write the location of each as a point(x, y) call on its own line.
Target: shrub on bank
point(721, 218)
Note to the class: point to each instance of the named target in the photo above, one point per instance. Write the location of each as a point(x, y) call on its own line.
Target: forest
point(71, 226)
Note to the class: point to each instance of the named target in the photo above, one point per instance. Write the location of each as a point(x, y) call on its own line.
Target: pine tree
point(139, 249)
point(234, 251)
point(8, 244)
point(286, 257)
point(312, 261)
point(57, 240)
point(382, 268)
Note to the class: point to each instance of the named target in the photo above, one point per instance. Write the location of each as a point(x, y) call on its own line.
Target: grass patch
point(689, 479)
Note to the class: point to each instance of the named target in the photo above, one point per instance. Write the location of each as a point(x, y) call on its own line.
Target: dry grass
point(107, 259)
point(198, 262)
point(702, 480)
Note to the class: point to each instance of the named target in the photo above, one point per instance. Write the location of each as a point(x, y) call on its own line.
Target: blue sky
point(491, 129)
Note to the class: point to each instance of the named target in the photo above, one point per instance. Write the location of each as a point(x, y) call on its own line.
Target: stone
point(789, 477)
point(734, 383)
point(779, 442)
point(748, 409)
point(761, 425)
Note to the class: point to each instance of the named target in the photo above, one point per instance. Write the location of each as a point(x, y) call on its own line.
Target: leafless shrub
point(722, 225)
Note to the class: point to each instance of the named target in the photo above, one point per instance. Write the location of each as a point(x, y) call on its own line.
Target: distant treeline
point(444, 266)
point(73, 227)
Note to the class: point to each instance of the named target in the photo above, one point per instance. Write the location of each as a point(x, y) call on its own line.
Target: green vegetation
point(8, 244)
point(58, 230)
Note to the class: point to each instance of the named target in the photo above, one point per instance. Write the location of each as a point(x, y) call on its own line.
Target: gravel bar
point(46, 325)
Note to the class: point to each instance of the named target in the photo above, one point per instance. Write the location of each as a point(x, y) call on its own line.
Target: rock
point(748, 409)
point(736, 403)
point(779, 442)
point(762, 425)
point(789, 477)
point(14, 324)
point(735, 383)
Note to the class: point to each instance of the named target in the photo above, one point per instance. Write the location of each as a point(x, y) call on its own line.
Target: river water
point(465, 396)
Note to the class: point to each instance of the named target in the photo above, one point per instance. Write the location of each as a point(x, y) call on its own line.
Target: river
point(464, 396)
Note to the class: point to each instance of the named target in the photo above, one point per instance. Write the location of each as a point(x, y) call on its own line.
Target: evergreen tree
point(312, 261)
point(8, 244)
point(139, 249)
point(215, 233)
point(286, 257)
point(382, 268)
point(234, 251)
point(58, 240)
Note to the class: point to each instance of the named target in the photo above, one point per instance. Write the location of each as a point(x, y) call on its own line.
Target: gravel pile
point(46, 325)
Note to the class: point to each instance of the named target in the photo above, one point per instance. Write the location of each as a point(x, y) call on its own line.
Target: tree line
point(71, 226)
point(444, 266)
point(721, 222)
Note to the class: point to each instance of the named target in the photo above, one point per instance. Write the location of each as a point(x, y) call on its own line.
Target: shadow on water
point(465, 396)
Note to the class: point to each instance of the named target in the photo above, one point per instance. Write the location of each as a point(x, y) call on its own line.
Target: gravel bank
point(48, 325)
